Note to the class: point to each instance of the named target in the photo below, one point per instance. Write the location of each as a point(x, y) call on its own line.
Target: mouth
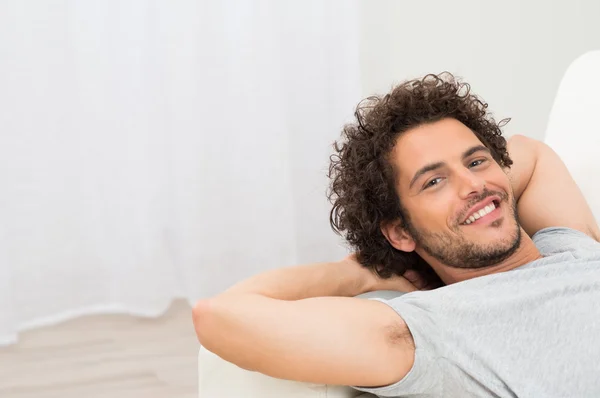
point(486, 213)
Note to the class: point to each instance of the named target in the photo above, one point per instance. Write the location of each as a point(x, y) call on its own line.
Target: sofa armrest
point(222, 379)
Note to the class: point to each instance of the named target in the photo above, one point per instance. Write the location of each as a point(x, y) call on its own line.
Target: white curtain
point(159, 149)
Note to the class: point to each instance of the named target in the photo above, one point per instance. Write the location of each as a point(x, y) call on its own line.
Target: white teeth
point(477, 215)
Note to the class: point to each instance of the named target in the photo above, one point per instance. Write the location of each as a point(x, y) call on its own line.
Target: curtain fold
point(153, 150)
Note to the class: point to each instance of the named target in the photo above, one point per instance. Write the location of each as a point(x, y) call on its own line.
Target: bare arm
point(273, 324)
point(329, 340)
point(547, 194)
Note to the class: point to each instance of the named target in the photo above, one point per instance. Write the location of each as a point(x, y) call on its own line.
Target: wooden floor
point(114, 356)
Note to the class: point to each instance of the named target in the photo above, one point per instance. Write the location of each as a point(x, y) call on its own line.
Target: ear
point(397, 236)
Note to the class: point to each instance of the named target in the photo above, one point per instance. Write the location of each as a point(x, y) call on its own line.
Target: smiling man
point(498, 238)
point(459, 214)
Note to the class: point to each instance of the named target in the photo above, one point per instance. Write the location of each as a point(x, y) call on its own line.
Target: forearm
point(305, 281)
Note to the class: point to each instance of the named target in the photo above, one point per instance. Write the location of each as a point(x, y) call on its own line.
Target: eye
point(477, 162)
point(432, 183)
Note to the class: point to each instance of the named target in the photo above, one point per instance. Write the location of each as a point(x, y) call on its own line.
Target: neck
point(526, 253)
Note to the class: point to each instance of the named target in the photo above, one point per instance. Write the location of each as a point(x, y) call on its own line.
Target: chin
point(508, 232)
point(504, 230)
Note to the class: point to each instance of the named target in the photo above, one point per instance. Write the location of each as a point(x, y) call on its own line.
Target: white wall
point(513, 53)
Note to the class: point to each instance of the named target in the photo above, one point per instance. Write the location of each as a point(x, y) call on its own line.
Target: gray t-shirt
point(530, 332)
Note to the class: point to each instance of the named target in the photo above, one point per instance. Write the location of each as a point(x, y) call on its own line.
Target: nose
point(469, 184)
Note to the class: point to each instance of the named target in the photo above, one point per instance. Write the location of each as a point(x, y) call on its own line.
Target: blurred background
point(153, 153)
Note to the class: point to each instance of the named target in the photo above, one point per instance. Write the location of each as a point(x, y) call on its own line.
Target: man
point(424, 186)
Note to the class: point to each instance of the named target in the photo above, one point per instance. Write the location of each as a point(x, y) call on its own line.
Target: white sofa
point(573, 132)
point(222, 379)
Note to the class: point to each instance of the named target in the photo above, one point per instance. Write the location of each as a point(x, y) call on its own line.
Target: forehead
point(442, 141)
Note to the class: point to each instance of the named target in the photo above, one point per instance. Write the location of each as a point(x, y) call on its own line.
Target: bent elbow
point(217, 336)
point(201, 318)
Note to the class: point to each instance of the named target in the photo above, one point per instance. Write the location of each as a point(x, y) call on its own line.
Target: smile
point(487, 213)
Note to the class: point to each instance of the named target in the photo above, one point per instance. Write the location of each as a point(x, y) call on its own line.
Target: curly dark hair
point(362, 187)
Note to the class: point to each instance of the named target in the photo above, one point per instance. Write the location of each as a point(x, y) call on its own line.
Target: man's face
point(459, 202)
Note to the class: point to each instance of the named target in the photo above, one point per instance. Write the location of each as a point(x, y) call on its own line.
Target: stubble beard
point(456, 251)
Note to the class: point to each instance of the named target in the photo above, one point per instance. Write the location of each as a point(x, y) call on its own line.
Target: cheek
point(433, 213)
point(499, 179)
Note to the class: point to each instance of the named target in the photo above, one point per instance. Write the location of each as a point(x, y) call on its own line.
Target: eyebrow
point(434, 166)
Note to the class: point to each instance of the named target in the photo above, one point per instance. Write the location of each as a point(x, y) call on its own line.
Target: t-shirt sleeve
point(424, 379)
point(554, 240)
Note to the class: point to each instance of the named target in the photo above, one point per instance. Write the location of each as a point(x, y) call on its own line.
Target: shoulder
point(554, 240)
point(415, 331)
